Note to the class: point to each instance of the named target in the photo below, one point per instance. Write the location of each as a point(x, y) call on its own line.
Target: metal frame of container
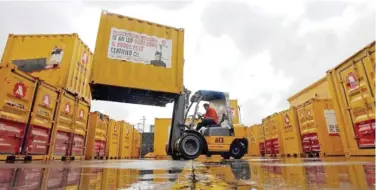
point(352, 85)
point(291, 133)
point(96, 136)
point(79, 130)
point(131, 82)
point(318, 135)
point(113, 140)
point(274, 138)
point(68, 66)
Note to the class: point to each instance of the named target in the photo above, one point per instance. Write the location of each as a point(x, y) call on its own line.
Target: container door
point(16, 98)
point(360, 103)
point(78, 145)
point(311, 127)
point(41, 121)
point(66, 112)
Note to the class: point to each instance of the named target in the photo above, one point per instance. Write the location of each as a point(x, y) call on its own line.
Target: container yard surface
point(203, 173)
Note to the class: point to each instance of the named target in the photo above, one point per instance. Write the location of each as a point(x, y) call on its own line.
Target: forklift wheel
point(175, 156)
point(226, 156)
point(190, 146)
point(237, 150)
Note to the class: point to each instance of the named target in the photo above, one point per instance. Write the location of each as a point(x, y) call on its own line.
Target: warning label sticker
point(331, 122)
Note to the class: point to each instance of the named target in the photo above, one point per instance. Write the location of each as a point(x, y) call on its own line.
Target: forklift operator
point(210, 118)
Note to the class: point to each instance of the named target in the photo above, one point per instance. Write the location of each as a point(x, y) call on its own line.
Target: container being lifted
point(137, 61)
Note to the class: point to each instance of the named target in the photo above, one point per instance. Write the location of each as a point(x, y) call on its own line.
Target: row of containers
point(39, 121)
point(334, 116)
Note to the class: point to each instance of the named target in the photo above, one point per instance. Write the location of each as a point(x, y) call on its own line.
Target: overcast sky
point(261, 51)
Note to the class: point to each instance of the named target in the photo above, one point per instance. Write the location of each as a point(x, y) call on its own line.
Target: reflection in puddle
point(292, 173)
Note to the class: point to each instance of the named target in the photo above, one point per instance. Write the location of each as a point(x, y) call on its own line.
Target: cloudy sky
point(261, 51)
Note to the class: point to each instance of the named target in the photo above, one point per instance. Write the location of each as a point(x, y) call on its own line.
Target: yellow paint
point(9, 81)
point(240, 130)
point(318, 90)
point(314, 122)
point(235, 111)
point(97, 130)
point(91, 178)
point(81, 117)
point(125, 148)
point(113, 139)
point(109, 179)
point(273, 130)
point(292, 142)
point(161, 131)
point(73, 72)
point(137, 75)
point(136, 143)
point(254, 140)
point(354, 105)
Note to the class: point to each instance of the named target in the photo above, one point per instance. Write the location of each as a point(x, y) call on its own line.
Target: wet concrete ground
point(204, 173)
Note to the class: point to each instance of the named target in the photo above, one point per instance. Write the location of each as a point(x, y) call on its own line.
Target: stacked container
point(319, 129)
point(274, 138)
point(113, 139)
point(62, 60)
point(352, 85)
point(96, 136)
point(80, 129)
point(262, 140)
point(291, 133)
point(136, 144)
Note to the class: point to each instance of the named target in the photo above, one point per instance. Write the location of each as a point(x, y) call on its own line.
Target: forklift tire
point(190, 146)
point(175, 156)
point(237, 150)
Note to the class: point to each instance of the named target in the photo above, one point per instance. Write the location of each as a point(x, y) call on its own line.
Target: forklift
point(218, 139)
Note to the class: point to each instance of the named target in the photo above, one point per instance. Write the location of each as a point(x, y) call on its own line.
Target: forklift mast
point(178, 119)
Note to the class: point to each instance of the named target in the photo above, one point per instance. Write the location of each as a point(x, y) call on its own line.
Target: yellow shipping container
point(96, 135)
point(136, 144)
point(135, 54)
point(125, 148)
point(61, 60)
point(274, 138)
point(292, 142)
point(319, 129)
point(317, 90)
point(161, 132)
point(235, 111)
point(352, 85)
point(254, 140)
point(91, 178)
point(113, 140)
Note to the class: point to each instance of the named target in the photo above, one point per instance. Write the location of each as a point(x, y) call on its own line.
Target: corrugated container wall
point(137, 61)
point(274, 138)
point(161, 132)
point(262, 140)
point(292, 142)
point(352, 84)
point(254, 140)
point(235, 111)
point(16, 100)
point(113, 140)
point(319, 129)
point(96, 135)
point(317, 90)
point(61, 60)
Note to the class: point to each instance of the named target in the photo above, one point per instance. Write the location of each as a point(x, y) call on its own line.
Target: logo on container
point(67, 108)
point(81, 114)
point(115, 128)
point(127, 131)
point(46, 100)
point(19, 90)
point(352, 80)
point(84, 58)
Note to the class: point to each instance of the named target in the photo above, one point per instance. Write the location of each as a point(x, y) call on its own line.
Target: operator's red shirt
point(212, 114)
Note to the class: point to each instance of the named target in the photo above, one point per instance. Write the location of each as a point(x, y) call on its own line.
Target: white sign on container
point(139, 48)
point(331, 122)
